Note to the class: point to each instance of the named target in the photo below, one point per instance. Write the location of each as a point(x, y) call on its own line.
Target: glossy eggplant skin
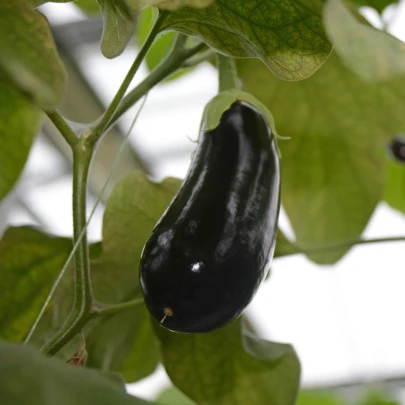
point(208, 254)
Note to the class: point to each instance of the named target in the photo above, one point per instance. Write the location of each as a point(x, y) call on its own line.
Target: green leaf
point(88, 6)
point(173, 396)
point(18, 124)
point(168, 4)
point(319, 398)
point(332, 168)
point(379, 5)
point(284, 247)
point(132, 211)
point(222, 102)
point(119, 25)
point(116, 379)
point(124, 342)
point(28, 54)
point(288, 36)
point(29, 263)
point(370, 53)
point(59, 308)
point(378, 398)
point(395, 186)
point(26, 375)
point(36, 3)
point(227, 367)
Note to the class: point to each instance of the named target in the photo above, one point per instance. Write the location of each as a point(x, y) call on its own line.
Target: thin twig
point(65, 130)
point(348, 244)
point(115, 309)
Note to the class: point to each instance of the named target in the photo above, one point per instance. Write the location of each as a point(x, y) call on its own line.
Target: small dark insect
point(396, 148)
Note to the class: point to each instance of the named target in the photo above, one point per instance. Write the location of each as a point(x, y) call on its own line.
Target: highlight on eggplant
point(211, 249)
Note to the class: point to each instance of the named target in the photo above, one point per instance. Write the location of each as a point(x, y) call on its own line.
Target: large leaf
point(173, 396)
point(28, 54)
point(118, 22)
point(59, 308)
point(332, 168)
point(379, 5)
point(37, 3)
point(168, 4)
point(126, 342)
point(319, 398)
point(287, 35)
point(370, 53)
point(119, 25)
point(29, 263)
point(395, 187)
point(27, 376)
point(284, 247)
point(227, 367)
point(88, 6)
point(18, 124)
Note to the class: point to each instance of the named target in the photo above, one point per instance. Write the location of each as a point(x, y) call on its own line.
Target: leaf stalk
point(228, 75)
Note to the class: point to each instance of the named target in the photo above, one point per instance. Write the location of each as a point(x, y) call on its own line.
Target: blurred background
point(345, 321)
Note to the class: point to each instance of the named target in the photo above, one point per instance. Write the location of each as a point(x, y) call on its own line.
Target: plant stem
point(201, 57)
point(87, 314)
point(83, 297)
point(115, 309)
point(228, 76)
point(171, 64)
point(82, 156)
point(105, 119)
point(348, 244)
point(63, 127)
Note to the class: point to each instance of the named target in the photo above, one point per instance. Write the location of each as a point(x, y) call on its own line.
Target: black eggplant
point(209, 252)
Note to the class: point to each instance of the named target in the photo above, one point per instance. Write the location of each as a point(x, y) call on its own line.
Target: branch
point(105, 119)
point(63, 127)
point(83, 297)
point(348, 244)
point(169, 65)
point(115, 309)
point(201, 57)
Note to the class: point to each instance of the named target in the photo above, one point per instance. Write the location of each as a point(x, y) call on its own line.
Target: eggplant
point(211, 249)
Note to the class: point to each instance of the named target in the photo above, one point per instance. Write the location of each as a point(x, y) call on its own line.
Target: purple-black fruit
point(209, 252)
